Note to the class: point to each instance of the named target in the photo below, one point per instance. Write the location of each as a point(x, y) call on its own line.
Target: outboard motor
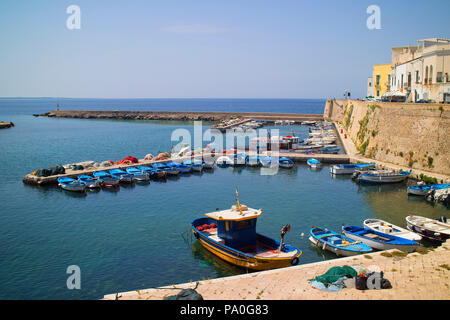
point(355, 175)
point(443, 219)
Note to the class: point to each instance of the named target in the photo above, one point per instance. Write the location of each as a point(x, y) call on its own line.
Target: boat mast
point(237, 200)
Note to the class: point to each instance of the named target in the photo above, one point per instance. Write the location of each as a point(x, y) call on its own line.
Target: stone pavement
point(416, 276)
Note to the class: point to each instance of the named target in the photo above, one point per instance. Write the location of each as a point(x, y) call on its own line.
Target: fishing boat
point(239, 159)
point(138, 175)
point(224, 161)
point(286, 162)
point(379, 240)
point(330, 150)
point(89, 181)
point(70, 184)
point(121, 175)
point(196, 165)
point(160, 169)
point(314, 163)
point(350, 168)
point(423, 190)
point(231, 235)
point(389, 228)
point(253, 161)
point(382, 176)
point(429, 228)
point(150, 171)
point(336, 243)
point(269, 161)
point(208, 164)
point(105, 179)
point(173, 168)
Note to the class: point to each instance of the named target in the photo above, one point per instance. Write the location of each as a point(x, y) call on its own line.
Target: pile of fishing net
point(52, 171)
point(162, 156)
point(127, 160)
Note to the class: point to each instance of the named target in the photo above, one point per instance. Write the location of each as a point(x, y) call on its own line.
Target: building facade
point(422, 72)
point(381, 79)
point(370, 87)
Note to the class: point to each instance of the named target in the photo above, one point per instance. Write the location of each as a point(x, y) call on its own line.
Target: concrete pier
point(415, 276)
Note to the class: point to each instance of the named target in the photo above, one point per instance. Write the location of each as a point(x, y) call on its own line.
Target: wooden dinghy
point(336, 243)
point(389, 228)
point(429, 228)
point(231, 235)
point(379, 240)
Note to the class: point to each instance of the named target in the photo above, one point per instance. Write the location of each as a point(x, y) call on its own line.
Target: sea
point(138, 236)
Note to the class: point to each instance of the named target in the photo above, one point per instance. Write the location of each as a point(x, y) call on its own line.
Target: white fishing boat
point(208, 164)
point(381, 176)
point(429, 228)
point(350, 168)
point(224, 161)
point(389, 228)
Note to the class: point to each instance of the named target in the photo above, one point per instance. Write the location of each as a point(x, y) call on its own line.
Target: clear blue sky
point(204, 48)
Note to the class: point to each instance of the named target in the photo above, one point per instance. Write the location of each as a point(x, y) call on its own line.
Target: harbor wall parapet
point(406, 134)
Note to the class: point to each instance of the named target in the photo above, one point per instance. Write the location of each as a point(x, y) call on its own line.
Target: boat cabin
point(236, 227)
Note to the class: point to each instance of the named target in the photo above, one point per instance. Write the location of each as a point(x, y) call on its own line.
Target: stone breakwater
point(180, 115)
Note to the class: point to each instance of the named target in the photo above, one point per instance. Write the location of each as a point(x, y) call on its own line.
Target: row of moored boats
point(377, 234)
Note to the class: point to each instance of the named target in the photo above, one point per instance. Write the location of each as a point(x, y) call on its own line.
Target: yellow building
point(381, 79)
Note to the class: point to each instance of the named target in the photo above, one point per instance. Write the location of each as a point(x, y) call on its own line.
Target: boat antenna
point(237, 200)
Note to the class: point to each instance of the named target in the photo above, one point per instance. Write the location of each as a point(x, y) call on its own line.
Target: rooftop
point(234, 214)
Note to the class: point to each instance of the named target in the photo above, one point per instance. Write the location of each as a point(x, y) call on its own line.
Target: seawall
point(180, 115)
point(411, 135)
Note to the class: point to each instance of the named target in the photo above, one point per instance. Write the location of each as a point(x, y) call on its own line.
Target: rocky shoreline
point(178, 115)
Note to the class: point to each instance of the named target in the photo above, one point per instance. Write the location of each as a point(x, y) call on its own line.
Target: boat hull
point(397, 231)
point(337, 251)
point(380, 245)
point(242, 259)
point(336, 169)
point(363, 177)
point(77, 187)
point(425, 232)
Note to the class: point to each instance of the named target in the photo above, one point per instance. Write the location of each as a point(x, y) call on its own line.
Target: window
point(439, 77)
point(431, 75)
point(378, 80)
point(378, 93)
point(417, 76)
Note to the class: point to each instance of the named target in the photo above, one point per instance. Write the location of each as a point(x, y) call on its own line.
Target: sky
point(205, 48)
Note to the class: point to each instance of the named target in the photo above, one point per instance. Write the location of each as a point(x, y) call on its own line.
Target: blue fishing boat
point(173, 168)
point(70, 184)
point(422, 190)
point(286, 162)
point(89, 181)
point(330, 150)
point(160, 169)
point(336, 243)
point(196, 165)
point(148, 170)
point(138, 175)
point(269, 161)
point(121, 175)
point(231, 235)
point(379, 240)
point(314, 163)
point(350, 168)
point(381, 176)
point(253, 161)
point(105, 179)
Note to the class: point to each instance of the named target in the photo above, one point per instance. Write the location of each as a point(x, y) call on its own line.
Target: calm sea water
point(137, 237)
